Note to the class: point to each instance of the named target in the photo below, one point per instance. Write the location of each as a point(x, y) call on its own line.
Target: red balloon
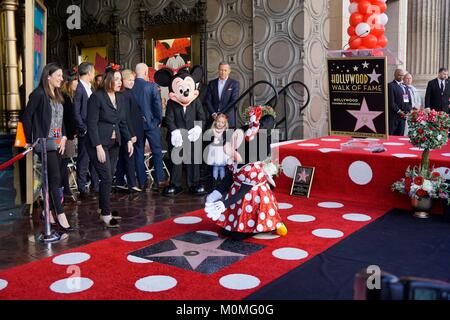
point(351, 31)
point(355, 42)
point(382, 41)
point(370, 41)
point(364, 6)
point(356, 18)
point(362, 48)
point(377, 31)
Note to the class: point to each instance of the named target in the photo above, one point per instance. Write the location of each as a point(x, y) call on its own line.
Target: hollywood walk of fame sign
point(358, 97)
point(301, 184)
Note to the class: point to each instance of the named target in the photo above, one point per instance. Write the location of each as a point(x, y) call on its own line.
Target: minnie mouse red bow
point(255, 114)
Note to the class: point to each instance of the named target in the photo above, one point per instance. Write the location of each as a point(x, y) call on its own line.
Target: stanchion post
point(47, 227)
point(48, 235)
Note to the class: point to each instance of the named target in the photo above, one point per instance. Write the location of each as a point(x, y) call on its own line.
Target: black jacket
point(176, 118)
point(103, 118)
point(37, 116)
point(435, 99)
point(230, 94)
point(80, 104)
point(135, 118)
point(395, 99)
point(68, 118)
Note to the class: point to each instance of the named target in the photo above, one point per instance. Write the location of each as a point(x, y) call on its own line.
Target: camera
point(385, 286)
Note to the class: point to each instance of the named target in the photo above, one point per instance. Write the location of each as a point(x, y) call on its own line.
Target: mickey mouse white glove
point(194, 133)
point(176, 138)
point(213, 197)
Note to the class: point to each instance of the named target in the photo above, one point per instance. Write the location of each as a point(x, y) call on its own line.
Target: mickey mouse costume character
point(185, 120)
point(249, 205)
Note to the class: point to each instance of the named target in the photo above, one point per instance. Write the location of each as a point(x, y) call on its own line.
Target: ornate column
point(3, 113)
point(424, 17)
point(8, 8)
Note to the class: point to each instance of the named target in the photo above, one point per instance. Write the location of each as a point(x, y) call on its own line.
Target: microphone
point(358, 37)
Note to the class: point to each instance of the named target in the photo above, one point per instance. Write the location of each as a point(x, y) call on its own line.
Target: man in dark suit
point(222, 92)
point(399, 102)
point(149, 100)
point(437, 95)
point(86, 73)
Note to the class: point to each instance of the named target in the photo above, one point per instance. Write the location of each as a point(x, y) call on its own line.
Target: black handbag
point(50, 143)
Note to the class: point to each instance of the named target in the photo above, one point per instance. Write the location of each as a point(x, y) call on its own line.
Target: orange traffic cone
point(20, 136)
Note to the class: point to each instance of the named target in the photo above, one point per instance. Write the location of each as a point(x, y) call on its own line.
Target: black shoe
point(68, 229)
point(172, 190)
point(198, 190)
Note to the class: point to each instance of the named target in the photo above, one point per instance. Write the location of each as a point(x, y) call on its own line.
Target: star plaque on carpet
point(301, 184)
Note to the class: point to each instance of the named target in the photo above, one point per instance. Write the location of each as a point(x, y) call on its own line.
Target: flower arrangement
point(265, 110)
point(418, 185)
point(271, 168)
point(428, 130)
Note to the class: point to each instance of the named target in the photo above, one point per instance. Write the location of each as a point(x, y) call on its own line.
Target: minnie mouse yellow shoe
point(282, 230)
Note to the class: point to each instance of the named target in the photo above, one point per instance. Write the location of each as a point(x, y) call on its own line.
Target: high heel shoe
point(65, 229)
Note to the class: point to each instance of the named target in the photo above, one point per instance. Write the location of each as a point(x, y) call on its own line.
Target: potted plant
point(428, 130)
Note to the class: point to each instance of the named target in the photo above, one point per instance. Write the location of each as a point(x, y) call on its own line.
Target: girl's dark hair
point(48, 70)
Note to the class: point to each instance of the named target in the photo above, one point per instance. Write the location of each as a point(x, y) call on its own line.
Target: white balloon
point(383, 19)
point(353, 7)
point(362, 29)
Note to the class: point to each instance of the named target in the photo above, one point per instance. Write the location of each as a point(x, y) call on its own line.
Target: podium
point(357, 82)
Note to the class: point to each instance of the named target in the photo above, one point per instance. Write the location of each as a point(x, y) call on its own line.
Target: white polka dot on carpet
point(239, 281)
point(283, 205)
point(71, 285)
point(187, 220)
point(137, 237)
point(156, 283)
point(360, 172)
point(328, 233)
point(289, 165)
point(69, 259)
point(290, 254)
point(3, 284)
point(357, 217)
point(330, 205)
point(135, 259)
point(301, 218)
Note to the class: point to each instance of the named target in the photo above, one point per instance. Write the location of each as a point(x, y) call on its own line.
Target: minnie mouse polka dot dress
point(257, 211)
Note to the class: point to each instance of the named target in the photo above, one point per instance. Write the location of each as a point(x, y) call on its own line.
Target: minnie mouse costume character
point(185, 120)
point(249, 205)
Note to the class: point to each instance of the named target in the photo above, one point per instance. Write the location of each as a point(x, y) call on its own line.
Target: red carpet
point(357, 175)
point(107, 274)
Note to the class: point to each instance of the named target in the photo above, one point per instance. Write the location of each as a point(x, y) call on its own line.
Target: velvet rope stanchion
point(49, 235)
point(10, 162)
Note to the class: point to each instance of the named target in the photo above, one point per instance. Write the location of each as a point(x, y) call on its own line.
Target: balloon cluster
point(367, 21)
